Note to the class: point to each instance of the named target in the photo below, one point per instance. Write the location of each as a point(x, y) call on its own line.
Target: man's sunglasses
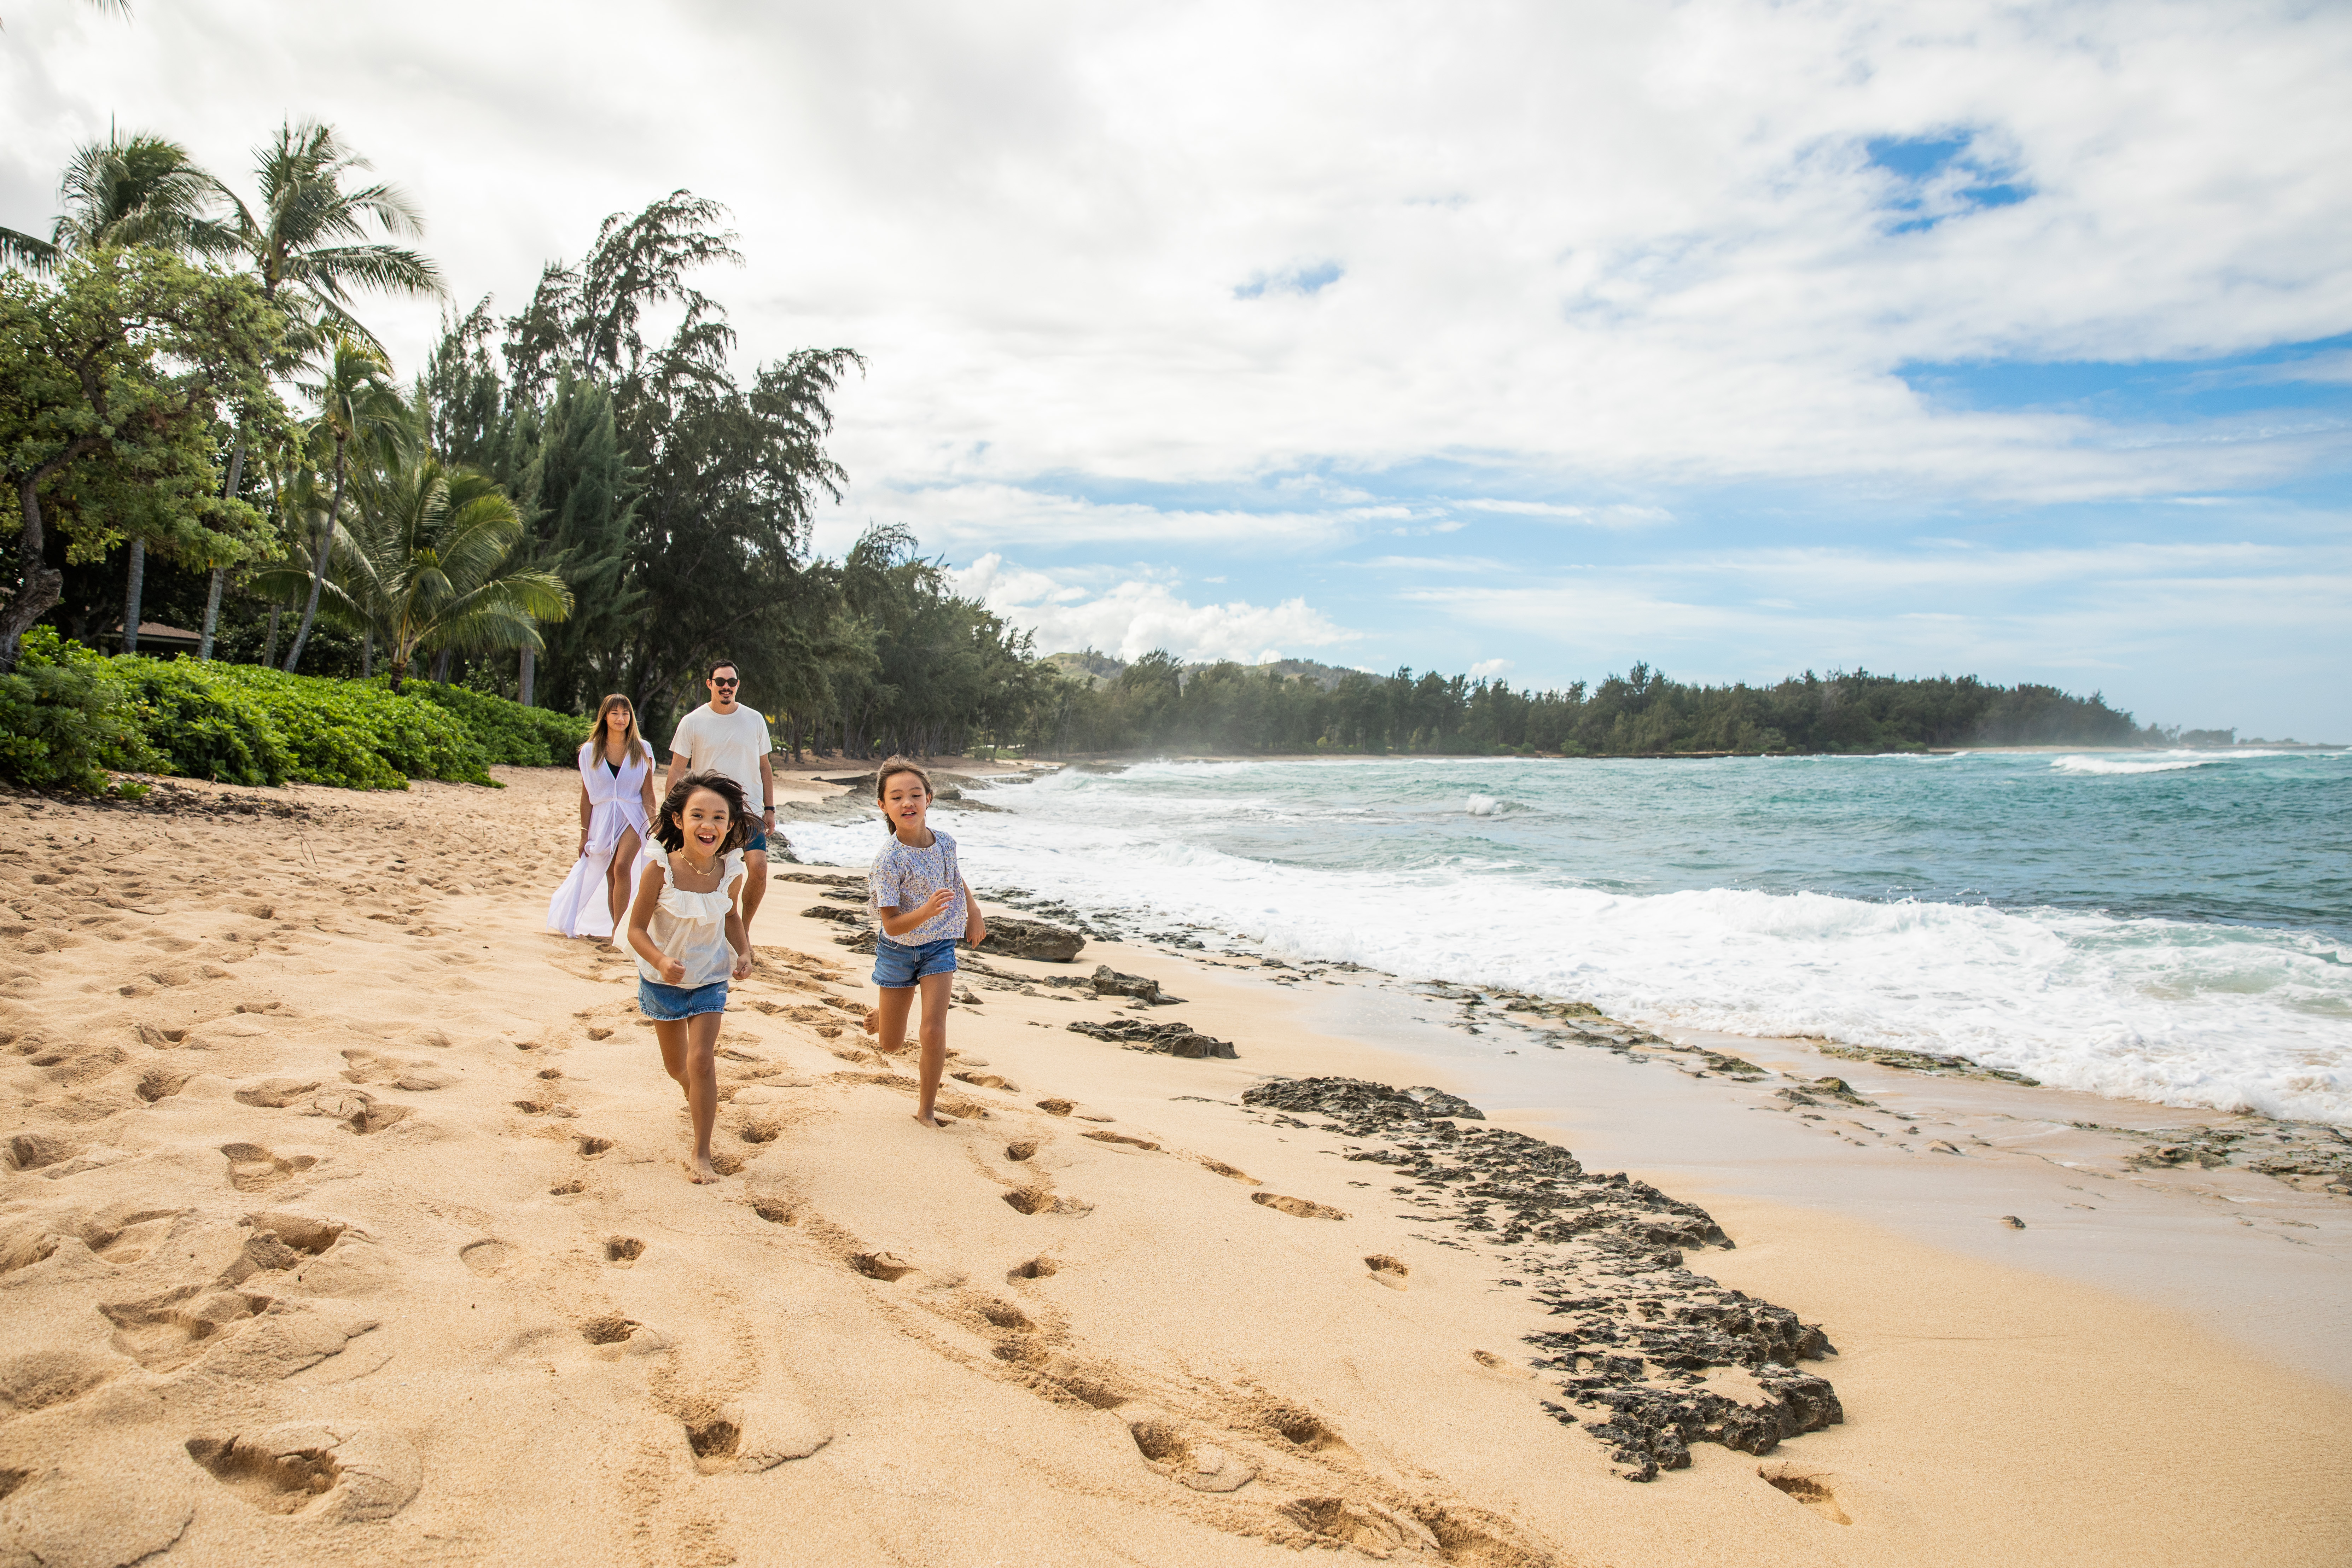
point(724, 680)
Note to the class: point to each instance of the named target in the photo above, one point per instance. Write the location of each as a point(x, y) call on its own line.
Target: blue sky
point(1538, 338)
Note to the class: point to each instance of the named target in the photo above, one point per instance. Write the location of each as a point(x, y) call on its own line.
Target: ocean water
point(2171, 926)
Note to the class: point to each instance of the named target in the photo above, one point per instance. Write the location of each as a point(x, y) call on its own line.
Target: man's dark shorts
point(758, 840)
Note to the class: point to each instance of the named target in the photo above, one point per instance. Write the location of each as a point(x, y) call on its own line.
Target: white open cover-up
point(616, 801)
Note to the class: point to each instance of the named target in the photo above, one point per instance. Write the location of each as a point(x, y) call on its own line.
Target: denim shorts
point(898, 966)
point(672, 1004)
point(758, 840)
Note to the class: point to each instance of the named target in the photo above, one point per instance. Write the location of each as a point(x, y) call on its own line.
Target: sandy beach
point(344, 1220)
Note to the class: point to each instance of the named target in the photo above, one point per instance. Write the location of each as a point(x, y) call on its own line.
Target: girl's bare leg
point(620, 877)
point(887, 1021)
point(689, 1055)
point(937, 990)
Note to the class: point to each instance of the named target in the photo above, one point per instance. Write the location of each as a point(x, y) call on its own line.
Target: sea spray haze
point(2171, 926)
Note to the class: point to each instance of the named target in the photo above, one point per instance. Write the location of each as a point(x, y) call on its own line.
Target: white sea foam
point(2178, 1012)
point(1483, 806)
point(2163, 762)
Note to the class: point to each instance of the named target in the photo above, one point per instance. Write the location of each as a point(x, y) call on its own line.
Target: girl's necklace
point(706, 868)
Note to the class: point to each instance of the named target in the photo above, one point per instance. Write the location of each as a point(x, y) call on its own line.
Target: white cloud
point(1134, 617)
point(1487, 669)
point(1033, 216)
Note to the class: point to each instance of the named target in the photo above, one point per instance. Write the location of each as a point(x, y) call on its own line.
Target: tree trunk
point(220, 574)
point(399, 674)
point(318, 567)
point(367, 653)
point(269, 654)
point(441, 667)
point(528, 670)
point(44, 584)
point(134, 589)
point(211, 612)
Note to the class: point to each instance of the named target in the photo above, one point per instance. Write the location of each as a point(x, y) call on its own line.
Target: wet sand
point(344, 1220)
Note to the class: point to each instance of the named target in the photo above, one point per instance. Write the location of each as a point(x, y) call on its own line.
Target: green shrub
point(509, 732)
point(357, 735)
point(70, 715)
point(64, 721)
point(206, 728)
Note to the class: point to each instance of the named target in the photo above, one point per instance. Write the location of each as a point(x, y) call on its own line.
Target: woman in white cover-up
point(617, 805)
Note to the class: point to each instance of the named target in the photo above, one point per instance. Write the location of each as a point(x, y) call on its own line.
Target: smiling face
point(724, 683)
point(905, 800)
point(703, 820)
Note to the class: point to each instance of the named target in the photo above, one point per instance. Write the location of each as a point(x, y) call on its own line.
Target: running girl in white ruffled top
point(687, 930)
point(616, 804)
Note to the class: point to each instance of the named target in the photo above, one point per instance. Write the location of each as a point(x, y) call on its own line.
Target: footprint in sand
point(1039, 1268)
point(1304, 1429)
point(336, 1472)
point(160, 1083)
point(486, 1256)
point(755, 1434)
point(623, 1251)
point(1121, 1138)
point(276, 1093)
point(1203, 1467)
point(571, 1188)
point(1387, 1270)
point(1233, 1171)
point(591, 1147)
point(1057, 1107)
point(252, 1168)
point(1038, 1200)
point(1026, 1149)
point(1809, 1488)
point(1501, 1368)
point(775, 1211)
point(38, 1379)
point(164, 1332)
point(885, 1265)
point(1304, 1208)
point(368, 1066)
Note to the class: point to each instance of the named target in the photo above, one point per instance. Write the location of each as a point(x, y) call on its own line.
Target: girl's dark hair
point(670, 833)
point(883, 775)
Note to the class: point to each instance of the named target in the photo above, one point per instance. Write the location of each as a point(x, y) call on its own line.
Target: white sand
point(325, 1162)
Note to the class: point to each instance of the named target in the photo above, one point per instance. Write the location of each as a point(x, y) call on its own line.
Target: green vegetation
point(1156, 703)
point(68, 714)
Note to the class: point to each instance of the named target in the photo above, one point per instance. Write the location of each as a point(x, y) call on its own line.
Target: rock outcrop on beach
point(1109, 981)
point(1033, 940)
point(1172, 1040)
point(1644, 1336)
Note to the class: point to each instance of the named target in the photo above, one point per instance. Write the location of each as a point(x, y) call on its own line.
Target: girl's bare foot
point(698, 1170)
point(930, 1121)
point(873, 1021)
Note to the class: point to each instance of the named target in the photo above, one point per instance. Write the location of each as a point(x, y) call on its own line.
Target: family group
point(688, 872)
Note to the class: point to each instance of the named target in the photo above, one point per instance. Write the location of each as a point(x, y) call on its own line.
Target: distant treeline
point(1157, 704)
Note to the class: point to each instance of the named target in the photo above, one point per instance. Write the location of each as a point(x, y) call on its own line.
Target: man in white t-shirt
point(723, 736)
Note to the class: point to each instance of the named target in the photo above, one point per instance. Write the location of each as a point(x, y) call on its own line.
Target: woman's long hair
point(669, 830)
point(601, 734)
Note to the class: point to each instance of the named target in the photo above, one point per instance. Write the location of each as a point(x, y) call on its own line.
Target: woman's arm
point(645, 787)
point(641, 912)
point(587, 814)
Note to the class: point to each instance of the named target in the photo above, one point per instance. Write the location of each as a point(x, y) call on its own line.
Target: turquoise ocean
point(2169, 926)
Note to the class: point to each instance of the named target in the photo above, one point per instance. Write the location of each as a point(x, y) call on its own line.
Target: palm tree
point(357, 403)
point(133, 190)
point(309, 245)
point(426, 564)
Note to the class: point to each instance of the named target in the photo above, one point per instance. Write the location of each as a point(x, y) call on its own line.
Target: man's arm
point(768, 792)
point(681, 746)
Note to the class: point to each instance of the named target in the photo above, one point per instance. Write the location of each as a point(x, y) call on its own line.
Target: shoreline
point(319, 1146)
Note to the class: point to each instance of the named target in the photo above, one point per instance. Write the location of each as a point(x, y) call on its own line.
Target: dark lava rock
point(1926, 1061)
point(1167, 1040)
point(1602, 1253)
point(835, 912)
point(1437, 1102)
point(1109, 981)
point(1017, 937)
